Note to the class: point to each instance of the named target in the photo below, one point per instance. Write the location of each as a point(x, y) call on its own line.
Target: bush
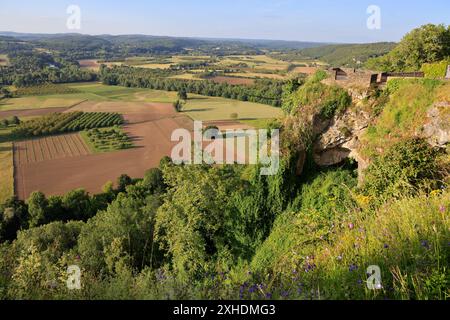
point(405, 168)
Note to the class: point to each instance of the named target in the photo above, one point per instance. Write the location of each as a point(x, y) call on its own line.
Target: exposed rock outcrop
point(437, 129)
point(341, 139)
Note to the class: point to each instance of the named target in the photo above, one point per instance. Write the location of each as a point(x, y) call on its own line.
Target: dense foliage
point(28, 68)
point(108, 139)
point(327, 100)
point(427, 44)
point(348, 55)
point(44, 89)
point(66, 122)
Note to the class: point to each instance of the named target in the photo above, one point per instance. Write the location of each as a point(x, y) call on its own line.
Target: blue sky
point(304, 20)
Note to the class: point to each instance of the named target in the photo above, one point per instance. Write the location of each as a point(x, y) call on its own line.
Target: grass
point(404, 114)
point(106, 139)
point(6, 171)
point(156, 96)
point(212, 108)
point(408, 240)
point(258, 123)
point(45, 101)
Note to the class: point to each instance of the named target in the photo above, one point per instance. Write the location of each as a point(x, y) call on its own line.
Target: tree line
point(265, 91)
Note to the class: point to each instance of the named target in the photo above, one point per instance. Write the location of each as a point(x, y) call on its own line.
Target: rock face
point(437, 129)
point(341, 137)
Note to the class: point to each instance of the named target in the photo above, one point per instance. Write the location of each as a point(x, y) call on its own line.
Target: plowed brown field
point(56, 165)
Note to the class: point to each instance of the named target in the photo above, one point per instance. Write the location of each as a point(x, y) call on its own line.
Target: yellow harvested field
point(153, 66)
point(186, 76)
point(4, 60)
point(6, 171)
point(259, 75)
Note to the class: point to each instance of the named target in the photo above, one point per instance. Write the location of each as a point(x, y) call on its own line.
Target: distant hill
point(88, 46)
point(350, 55)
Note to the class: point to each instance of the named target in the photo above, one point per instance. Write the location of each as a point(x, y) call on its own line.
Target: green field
point(212, 108)
point(197, 107)
point(46, 101)
point(6, 171)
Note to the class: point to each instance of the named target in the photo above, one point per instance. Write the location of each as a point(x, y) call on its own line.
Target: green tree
point(127, 220)
point(123, 182)
point(37, 208)
point(178, 106)
point(427, 44)
point(182, 94)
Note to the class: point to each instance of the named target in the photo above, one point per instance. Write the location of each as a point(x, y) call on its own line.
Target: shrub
point(406, 167)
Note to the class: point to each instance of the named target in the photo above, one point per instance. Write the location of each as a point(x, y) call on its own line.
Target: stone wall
point(348, 78)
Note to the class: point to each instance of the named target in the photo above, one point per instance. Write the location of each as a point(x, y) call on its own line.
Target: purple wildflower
point(285, 294)
point(425, 244)
point(352, 267)
point(268, 296)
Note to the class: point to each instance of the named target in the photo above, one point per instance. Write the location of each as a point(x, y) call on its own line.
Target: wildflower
point(386, 246)
point(351, 226)
point(352, 267)
point(360, 282)
point(285, 294)
point(252, 289)
point(339, 258)
point(442, 209)
point(425, 244)
point(268, 296)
